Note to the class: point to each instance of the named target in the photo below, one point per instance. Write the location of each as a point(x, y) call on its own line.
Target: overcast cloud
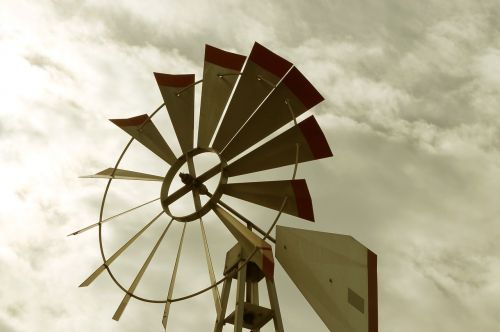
point(411, 111)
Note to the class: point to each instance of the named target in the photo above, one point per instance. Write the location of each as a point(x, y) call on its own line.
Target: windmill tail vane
point(245, 107)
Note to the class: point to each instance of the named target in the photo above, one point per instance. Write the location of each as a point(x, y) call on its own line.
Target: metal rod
point(248, 222)
point(228, 74)
point(185, 189)
point(152, 114)
point(267, 236)
point(138, 278)
point(197, 205)
point(240, 297)
point(273, 301)
point(215, 290)
point(172, 280)
point(260, 78)
point(226, 288)
point(110, 260)
point(187, 87)
point(111, 218)
point(297, 150)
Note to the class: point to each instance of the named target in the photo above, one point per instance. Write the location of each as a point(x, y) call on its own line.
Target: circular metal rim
point(103, 201)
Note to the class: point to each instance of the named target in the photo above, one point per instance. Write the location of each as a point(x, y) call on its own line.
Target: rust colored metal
point(174, 80)
point(372, 292)
point(224, 58)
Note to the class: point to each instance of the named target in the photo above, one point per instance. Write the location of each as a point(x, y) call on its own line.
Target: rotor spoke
point(177, 194)
point(111, 218)
point(215, 290)
point(172, 280)
point(210, 173)
point(185, 189)
point(112, 173)
point(137, 279)
point(111, 259)
point(246, 220)
point(196, 192)
point(197, 204)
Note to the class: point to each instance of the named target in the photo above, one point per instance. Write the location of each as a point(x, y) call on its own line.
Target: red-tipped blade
point(294, 94)
point(262, 69)
point(220, 72)
point(272, 193)
point(179, 99)
point(282, 150)
point(123, 174)
point(144, 131)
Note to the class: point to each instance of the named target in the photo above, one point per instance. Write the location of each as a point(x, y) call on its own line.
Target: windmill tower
point(244, 101)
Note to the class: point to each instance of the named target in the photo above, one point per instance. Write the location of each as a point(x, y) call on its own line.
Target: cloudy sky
point(411, 111)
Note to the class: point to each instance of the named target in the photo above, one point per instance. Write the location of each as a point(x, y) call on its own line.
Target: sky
point(412, 96)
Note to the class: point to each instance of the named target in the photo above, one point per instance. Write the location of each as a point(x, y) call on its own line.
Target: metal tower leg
point(253, 295)
point(226, 288)
point(275, 307)
point(240, 297)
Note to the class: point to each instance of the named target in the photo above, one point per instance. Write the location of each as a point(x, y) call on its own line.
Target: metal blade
point(294, 94)
point(216, 89)
point(263, 256)
point(138, 278)
point(262, 68)
point(215, 290)
point(336, 274)
point(179, 99)
point(144, 131)
point(271, 193)
point(123, 174)
point(172, 279)
point(281, 150)
point(111, 259)
point(198, 207)
point(112, 217)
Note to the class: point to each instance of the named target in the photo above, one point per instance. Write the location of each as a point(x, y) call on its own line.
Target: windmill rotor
point(245, 104)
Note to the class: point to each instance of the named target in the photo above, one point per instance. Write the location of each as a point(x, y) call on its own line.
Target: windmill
point(245, 104)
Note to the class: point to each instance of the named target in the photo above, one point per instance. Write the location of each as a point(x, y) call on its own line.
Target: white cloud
point(411, 114)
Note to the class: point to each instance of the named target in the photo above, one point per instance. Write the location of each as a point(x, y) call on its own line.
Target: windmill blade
point(336, 274)
point(262, 70)
point(179, 99)
point(210, 267)
point(144, 131)
point(139, 275)
point(271, 193)
point(294, 94)
point(250, 242)
point(281, 150)
point(111, 259)
point(113, 217)
point(220, 73)
point(172, 280)
point(123, 174)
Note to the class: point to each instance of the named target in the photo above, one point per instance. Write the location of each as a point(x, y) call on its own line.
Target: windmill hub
point(193, 185)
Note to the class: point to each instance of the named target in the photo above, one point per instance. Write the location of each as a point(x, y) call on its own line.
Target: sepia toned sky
point(411, 112)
